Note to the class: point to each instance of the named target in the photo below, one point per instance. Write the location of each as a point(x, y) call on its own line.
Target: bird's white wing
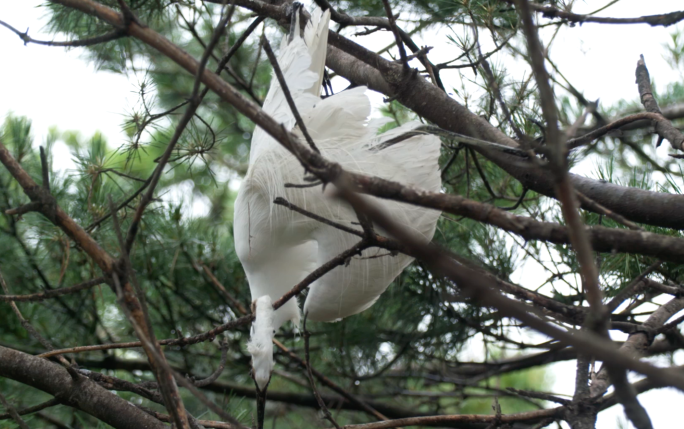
point(351, 289)
point(276, 251)
point(339, 125)
point(301, 60)
point(274, 246)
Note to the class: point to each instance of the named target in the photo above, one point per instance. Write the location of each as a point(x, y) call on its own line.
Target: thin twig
point(222, 365)
point(283, 202)
point(31, 330)
point(312, 382)
point(29, 410)
point(598, 208)
point(13, 412)
point(107, 37)
point(463, 420)
point(331, 384)
point(495, 88)
point(205, 423)
point(615, 125)
point(632, 288)
point(223, 291)
point(670, 325)
point(397, 36)
point(47, 294)
point(206, 401)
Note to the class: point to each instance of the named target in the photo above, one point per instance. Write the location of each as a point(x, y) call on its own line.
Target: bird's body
point(279, 247)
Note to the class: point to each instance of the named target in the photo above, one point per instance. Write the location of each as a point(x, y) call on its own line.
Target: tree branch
point(82, 394)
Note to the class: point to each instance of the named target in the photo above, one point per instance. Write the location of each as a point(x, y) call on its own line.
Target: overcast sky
point(55, 87)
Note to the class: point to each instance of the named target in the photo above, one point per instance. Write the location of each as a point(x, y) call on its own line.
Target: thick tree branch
point(81, 393)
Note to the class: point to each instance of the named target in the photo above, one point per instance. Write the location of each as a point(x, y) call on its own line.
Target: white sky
point(54, 86)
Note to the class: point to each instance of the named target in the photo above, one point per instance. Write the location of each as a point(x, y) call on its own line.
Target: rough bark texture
point(653, 208)
point(82, 394)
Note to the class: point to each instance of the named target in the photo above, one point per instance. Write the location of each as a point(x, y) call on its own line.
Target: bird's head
point(260, 344)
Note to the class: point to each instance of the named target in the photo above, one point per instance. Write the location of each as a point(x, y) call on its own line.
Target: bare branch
point(662, 126)
point(665, 20)
point(13, 412)
point(83, 394)
point(41, 296)
point(321, 404)
point(33, 409)
point(108, 37)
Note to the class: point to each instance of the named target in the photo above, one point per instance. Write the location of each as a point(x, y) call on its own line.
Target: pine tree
point(99, 256)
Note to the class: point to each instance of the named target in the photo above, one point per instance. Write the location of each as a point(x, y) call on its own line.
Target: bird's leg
point(294, 21)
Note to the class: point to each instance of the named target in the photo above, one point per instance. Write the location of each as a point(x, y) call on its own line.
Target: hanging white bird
point(278, 247)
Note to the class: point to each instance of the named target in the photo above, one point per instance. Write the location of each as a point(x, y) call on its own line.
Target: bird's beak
point(261, 399)
point(262, 377)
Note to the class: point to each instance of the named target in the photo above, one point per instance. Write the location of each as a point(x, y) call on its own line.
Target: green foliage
point(675, 50)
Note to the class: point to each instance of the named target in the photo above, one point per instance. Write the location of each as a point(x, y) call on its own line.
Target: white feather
point(260, 345)
point(279, 247)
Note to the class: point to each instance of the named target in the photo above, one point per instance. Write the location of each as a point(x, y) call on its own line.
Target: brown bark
point(82, 394)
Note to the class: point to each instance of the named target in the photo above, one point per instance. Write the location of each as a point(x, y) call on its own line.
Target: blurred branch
point(84, 395)
point(665, 20)
point(41, 296)
point(663, 127)
point(33, 409)
point(614, 125)
point(13, 412)
point(108, 37)
point(463, 420)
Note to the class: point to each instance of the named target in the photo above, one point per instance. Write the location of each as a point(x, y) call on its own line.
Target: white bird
point(278, 247)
